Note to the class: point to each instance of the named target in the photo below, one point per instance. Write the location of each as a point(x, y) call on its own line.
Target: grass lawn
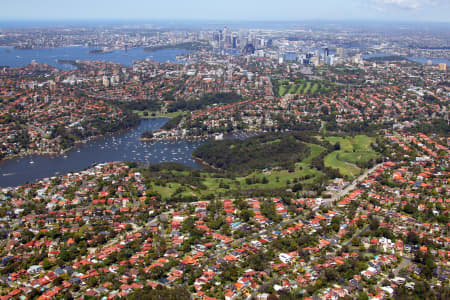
point(282, 90)
point(308, 86)
point(345, 168)
point(301, 86)
point(140, 113)
point(166, 191)
point(354, 157)
point(276, 179)
point(353, 150)
point(292, 89)
point(346, 143)
point(315, 151)
point(362, 143)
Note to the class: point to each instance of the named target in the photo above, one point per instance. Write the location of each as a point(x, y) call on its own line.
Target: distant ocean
point(237, 24)
point(422, 60)
point(21, 57)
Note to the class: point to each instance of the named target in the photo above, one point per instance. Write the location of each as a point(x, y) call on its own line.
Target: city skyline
point(231, 150)
point(373, 10)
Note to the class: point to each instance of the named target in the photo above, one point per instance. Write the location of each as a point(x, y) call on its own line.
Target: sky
point(239, 10)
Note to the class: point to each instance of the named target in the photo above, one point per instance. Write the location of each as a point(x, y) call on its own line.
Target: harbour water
point(118, 147)
point(421, 60)
point(21, 57)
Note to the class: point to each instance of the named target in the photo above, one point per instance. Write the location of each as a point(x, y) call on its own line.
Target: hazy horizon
point(232, 10)
point(196, 24)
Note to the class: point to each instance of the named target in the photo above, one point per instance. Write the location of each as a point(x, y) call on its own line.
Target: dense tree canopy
point(209, 99)
point(263, 151)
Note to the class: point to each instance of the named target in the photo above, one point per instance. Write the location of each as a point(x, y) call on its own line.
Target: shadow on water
point(118, 147)
point(21, 57)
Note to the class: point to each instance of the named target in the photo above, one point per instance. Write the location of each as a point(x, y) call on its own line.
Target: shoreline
point(54, 153)
point(175, 138)
point(202, 137)
point(203, 163)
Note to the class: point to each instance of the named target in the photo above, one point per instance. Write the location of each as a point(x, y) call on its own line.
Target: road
point(352, 185)
point(270, 84)
point(278, 226)
point(257, 235)
point(263, 286)
point(357, 235)
point(405, 263)
point(337, 196)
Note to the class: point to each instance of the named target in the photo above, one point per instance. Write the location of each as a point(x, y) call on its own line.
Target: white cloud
point(404, 4)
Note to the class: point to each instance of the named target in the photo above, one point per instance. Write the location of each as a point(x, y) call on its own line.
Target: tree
point(230, 272)
point(428, 266)
point(64, 255)
point(160, 292)
point(412, 238)
point(157, 272)
point(356, 242)
point(374, 223)
point(246, 215)
point(363, 296)
point(46, 264)
point(331, 275)
point(409, 209)
point(335, 223)
point(268, 210)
